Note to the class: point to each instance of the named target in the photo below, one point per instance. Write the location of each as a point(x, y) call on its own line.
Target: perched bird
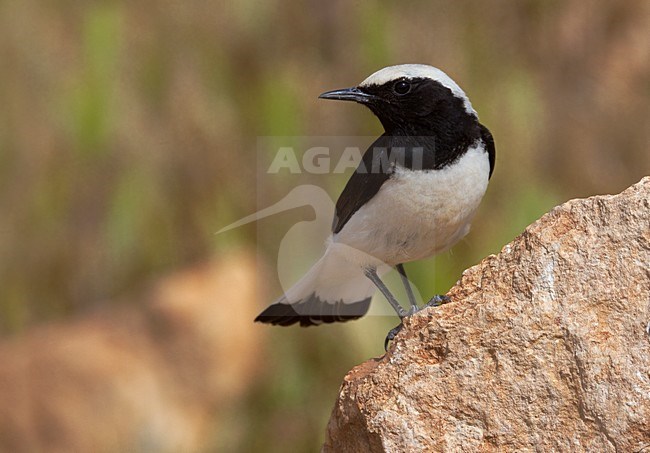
point(412, 196)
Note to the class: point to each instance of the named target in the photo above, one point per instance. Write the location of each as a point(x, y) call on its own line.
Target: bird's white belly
point(419, 213)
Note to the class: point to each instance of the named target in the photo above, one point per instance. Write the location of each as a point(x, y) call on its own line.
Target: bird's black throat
point(429, 128)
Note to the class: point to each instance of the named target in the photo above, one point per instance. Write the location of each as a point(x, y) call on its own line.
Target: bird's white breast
point(419, 213)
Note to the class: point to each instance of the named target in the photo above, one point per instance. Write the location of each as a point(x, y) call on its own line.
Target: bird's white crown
point(413, 71)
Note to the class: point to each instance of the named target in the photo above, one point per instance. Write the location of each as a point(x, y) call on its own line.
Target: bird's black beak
point(348, 94)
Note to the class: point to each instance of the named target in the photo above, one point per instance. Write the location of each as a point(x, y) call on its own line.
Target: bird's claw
point(438, 300)
point(435, 301)
point(392, 333)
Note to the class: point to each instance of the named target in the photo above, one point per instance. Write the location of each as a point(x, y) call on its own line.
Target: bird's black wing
point(488, 140)
point(364, 183)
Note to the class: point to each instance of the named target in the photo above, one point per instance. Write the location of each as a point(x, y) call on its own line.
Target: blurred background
point(129, 136)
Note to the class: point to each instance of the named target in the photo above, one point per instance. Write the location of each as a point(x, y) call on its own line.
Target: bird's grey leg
point(392, 333)
point(371, 273)
point(407, 286)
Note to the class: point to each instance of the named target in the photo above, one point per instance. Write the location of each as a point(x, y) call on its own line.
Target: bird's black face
point(408, 105)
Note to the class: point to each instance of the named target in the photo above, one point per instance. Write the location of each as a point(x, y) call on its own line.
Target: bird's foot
point(392, 333)
point(435, 301)
point(438, 300)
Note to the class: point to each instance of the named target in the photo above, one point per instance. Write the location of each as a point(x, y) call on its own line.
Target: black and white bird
point(412, 196)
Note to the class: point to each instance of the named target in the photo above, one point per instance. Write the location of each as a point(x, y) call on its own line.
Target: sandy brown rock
point(543, 348)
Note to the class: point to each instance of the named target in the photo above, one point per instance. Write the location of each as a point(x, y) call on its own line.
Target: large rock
point(544, 347)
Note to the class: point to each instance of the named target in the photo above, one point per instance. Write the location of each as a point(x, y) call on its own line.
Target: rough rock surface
point(544, 347)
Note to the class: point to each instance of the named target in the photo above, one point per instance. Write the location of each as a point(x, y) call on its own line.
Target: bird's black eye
point(402, 87)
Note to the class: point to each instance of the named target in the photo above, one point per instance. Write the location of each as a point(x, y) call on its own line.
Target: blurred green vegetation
point(128, 137)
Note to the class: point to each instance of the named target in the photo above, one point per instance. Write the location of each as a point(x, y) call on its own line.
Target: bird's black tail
point(334, 290)
point(312, 312)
